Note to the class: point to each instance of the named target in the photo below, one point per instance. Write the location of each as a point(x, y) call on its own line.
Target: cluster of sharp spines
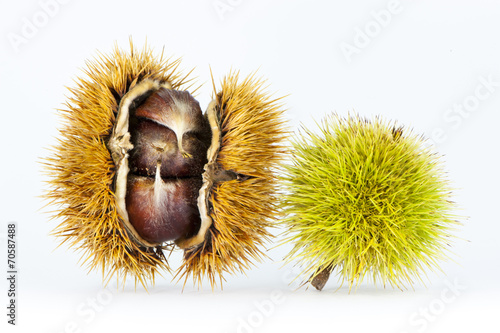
point(81, 172)
point(365, 168)
point(254, 135)
point(331, 175)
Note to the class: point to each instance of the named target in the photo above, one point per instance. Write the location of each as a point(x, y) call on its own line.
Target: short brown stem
point(321, 276)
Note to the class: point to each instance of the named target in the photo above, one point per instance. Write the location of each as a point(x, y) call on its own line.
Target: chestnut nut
point(165, 146)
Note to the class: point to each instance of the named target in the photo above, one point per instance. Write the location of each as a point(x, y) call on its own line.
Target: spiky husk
point(252, 145)
point(366, 198)
point(81, 169)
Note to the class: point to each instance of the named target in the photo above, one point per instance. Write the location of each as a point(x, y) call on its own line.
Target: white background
point(414, 66)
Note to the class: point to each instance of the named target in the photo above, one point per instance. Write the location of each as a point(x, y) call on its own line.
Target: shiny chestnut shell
point(160, 144)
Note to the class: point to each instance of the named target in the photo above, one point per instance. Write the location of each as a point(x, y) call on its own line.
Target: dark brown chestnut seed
point(154, 142)
point(160, 144)
point(161, 210)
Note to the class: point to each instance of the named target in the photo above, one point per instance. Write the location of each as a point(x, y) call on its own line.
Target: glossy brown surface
point(154, 142)
point(170, 134)
point(166, 215)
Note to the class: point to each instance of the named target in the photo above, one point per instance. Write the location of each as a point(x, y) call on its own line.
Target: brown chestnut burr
point(139, 169)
